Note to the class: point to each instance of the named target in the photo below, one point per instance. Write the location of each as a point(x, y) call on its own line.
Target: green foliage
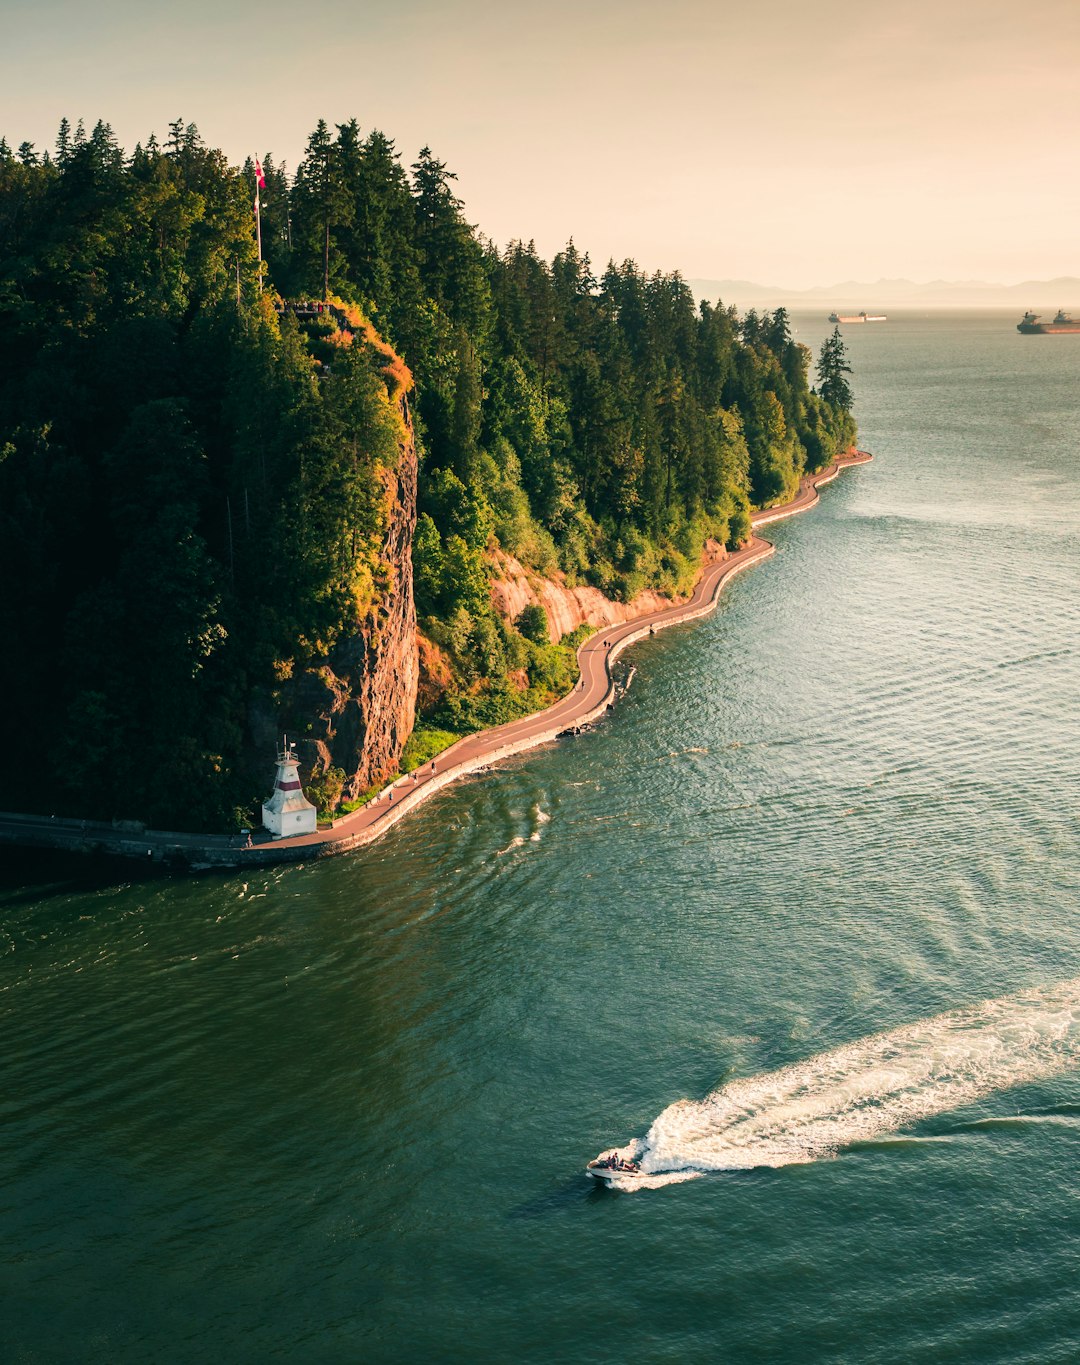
point(532, 622)
point(495, 703)
point(574, 639)
point(739, 528)
point(193, 491)
point(196, 509)
point(347, 807)
point(423, 745)
point(832, 368)
point(324, 791)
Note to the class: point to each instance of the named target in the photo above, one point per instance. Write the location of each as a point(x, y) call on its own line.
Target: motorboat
point(614, 1164)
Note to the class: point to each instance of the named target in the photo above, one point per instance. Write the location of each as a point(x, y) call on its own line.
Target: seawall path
point(589, 700)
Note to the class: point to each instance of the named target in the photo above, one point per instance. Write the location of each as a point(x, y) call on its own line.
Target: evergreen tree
point(214, 476)
point(832, 368)
point(322, 199)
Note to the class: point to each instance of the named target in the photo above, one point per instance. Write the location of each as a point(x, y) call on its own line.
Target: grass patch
point(347, 807)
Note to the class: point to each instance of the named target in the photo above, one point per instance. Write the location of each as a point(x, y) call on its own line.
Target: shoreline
point(589, 700)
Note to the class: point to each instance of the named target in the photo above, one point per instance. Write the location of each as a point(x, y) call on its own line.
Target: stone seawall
point(586, 704)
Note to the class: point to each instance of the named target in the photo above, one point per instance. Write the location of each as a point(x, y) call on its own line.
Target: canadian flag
point(260, 178)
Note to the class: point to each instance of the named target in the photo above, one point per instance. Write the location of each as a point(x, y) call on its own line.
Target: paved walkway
point(588, 701)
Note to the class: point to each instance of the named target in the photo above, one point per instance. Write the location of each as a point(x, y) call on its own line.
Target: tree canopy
point(165, 433)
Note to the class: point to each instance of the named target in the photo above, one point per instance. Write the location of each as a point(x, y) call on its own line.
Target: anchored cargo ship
point(1031, 326)
point(857, 317)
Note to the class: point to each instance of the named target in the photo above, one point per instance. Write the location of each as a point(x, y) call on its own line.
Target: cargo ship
point(857, 317)
point(1031, 326)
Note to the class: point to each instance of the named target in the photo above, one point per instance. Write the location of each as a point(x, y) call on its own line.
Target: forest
point(194, 476)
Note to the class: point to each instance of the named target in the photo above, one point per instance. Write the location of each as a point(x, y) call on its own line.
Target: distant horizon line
point(891, 281)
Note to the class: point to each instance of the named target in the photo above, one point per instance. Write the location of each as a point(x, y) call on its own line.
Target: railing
point(311, 308)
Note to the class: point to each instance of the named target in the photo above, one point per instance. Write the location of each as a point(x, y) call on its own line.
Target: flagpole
point(258, 234)
point(260, 184)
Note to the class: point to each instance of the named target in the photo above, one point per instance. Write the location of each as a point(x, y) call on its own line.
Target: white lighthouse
point(288, 811)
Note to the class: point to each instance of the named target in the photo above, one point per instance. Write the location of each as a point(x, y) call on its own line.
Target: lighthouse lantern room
point(288, 811)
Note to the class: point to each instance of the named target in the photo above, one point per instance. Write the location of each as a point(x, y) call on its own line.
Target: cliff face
point(513, 588)
point(356, 710)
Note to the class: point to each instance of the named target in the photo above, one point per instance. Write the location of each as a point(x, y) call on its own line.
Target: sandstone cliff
point(514, 587)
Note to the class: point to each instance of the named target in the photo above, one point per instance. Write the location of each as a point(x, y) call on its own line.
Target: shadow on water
point(31, 876)
point(583, 1190)
point(580, 1189)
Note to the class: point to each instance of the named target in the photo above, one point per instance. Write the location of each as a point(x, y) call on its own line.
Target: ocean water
point(802, 920)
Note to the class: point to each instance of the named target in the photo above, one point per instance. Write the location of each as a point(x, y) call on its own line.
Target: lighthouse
point(288, 811)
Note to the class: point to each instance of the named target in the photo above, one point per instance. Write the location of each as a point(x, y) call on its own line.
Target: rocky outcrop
point(514, 587)
point(436, 675)
point(356, 710)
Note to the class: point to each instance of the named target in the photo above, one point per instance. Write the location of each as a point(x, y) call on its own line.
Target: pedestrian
point(433, 765)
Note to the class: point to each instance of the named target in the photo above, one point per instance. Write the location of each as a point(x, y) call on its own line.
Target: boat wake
point(865, 1089)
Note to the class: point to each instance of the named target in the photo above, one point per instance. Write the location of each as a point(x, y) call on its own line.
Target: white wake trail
point(866, 1089)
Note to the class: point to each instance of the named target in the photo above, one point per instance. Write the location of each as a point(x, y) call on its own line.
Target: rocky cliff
point(514, 587)
point(354, 709)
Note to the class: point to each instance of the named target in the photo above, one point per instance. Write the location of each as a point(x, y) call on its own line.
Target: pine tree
point(832, 367)
point(322, 197)
point(63, 144)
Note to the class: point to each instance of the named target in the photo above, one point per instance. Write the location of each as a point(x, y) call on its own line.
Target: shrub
point(423, 745)
point(532, 622)
point(738, 528)
point(324, 790)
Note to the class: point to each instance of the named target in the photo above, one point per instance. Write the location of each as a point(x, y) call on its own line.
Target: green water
point(339, 1112)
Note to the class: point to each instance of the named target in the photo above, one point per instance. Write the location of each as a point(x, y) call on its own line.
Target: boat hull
point(600, 1170)
point(1032, 329)
point(606, 1174)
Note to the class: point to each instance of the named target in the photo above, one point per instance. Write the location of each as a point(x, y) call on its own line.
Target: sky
point(789, 143)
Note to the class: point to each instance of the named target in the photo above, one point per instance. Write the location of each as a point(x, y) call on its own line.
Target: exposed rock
point(356, 710)
point(436, 675)
point(514, 587)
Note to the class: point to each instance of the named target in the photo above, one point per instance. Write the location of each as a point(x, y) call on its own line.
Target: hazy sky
point(789, 143)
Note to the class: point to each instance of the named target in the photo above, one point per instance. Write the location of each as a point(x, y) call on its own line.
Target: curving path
point(586, 702)
point(589, 700)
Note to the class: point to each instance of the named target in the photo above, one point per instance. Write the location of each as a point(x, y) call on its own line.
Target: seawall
point(589, 701)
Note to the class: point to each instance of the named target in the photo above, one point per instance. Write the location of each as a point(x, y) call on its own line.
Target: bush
point(423, 745)
point(739, 528)
point(324, 791)
point(493, 704)
point(532, 622)
point(347, 807)
point(572, 639)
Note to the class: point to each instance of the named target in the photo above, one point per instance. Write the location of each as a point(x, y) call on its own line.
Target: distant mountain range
point(1041, 295)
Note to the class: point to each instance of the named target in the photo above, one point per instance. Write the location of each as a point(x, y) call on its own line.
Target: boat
point(1029, 325)
point(858, 317)
point(614, 1164)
